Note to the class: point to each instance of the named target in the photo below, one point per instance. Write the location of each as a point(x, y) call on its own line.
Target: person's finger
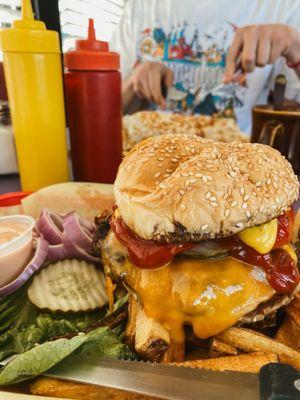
point(232, 57)
point(155, 79)
point(169, 77)
point(137, 87)
point(277, 48)
point(145, 87)
point(263, 49)
point(249, 51)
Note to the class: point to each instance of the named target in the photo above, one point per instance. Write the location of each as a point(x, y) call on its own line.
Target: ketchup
point(281, 270)
point(145, 253)
point(94, 108)
point(284, 228)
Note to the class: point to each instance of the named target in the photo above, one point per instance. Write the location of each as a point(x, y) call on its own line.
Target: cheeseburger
point(200, 237)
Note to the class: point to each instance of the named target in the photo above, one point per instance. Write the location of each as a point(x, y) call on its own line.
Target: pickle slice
point(69, 285)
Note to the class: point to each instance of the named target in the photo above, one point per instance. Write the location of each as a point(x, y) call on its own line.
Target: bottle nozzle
point(27, 13)
point(91, 32)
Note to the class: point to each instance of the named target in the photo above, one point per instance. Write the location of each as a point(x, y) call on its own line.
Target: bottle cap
point(28, 35)
point(92, 54)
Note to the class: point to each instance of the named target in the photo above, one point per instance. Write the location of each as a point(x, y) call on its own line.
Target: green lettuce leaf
point(101, 343)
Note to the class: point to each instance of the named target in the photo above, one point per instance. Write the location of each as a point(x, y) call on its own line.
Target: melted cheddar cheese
point(261, 238)
point(289, 249)
point(209, 295)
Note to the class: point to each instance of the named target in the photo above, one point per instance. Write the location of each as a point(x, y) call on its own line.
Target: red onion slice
point(50, 226)
point(56, 252)
point(74, 251)
point(34, 265)
point(78, 232)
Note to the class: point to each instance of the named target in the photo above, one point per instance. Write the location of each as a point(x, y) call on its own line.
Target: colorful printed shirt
point(192, 38)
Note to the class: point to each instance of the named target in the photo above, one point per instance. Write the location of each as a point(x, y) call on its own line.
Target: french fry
point(149, 338)
point(289, 334)
point(293, 309)
point(251, 362)
point(152, 340)
point(217, 348)
point(175, 353)
point(78, 391)
point(130, 328)
point(251, 341)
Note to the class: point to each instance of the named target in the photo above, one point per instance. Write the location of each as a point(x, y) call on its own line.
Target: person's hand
point(259, 45)
point(147, 79)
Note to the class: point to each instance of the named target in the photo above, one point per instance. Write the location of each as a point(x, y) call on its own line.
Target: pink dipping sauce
point(16, 246)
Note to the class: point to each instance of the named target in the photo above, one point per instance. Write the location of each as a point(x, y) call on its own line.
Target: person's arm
point(260, 45)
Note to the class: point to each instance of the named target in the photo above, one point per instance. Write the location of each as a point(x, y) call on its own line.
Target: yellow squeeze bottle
point(33, 74)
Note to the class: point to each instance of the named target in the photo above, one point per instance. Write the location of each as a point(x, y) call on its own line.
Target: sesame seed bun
point(180, 188)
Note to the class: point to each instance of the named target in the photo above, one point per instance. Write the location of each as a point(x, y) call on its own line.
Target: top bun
point(179, 188)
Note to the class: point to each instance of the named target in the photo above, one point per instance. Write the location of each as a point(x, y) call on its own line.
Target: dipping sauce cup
point(16, 246)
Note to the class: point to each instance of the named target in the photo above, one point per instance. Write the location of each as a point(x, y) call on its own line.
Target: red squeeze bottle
point(94, 109)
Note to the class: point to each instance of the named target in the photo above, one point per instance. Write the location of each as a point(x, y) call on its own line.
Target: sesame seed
point(244, 206)
point(162, 185)
point(269, 181)
point(248, 214)
point(169, 170)
point(204, 178)
point(246, 197)
point(213, 204)
point(183, 206)
point(277, 199)
point(187, 182)
point(203, 227)
point(208, 194)
point(184, 174)
point(181, 192)
point(227, 212)
point(242, 191)
point(157, 174)
point(232, 174)
point(261, 208)
point(193, 180)
point(209, 178)
point(234, 203)
point(239, 224)
point(213, 198)
point(160, 158)
point(258, 183)
point(198, 175)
